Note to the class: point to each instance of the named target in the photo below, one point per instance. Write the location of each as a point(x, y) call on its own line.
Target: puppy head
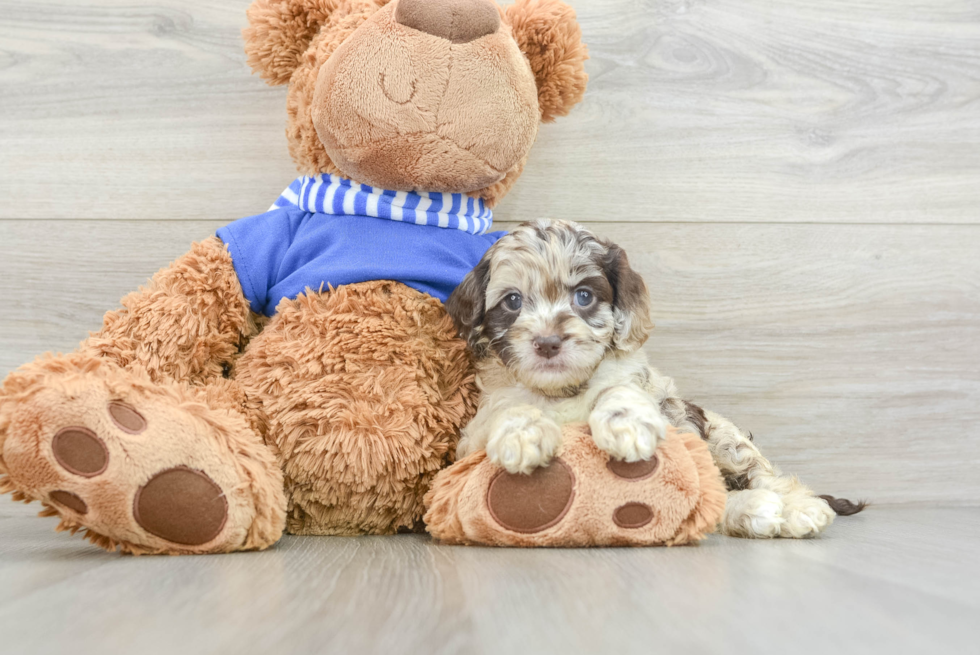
point(550, 300)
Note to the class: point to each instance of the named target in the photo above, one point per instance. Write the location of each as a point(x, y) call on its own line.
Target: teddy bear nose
point(460, 21)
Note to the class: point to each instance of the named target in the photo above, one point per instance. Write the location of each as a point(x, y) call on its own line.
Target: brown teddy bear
point(298, 371)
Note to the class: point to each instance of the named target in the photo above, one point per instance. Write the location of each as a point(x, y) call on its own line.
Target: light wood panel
point(892, 580)
point(851, 352)
point(732, 110)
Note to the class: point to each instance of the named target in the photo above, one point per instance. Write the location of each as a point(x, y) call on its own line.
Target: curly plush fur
point(380, 385)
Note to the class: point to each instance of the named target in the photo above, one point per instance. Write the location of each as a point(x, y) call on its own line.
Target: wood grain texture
point(893, 580)
point(724, 111)
point(851, 352)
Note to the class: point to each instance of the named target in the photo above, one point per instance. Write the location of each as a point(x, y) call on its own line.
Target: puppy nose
point(547, 347)
point(460, 21)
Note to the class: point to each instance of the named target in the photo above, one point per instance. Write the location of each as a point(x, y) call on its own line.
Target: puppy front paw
point(523, 439)
point(628, 432)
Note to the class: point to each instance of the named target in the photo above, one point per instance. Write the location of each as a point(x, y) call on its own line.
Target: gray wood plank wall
point(799, 182)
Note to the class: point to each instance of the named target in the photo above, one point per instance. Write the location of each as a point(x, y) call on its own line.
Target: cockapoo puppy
point(556, 319)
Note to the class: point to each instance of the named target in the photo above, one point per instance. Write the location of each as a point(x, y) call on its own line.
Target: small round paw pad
point(632, 515)
point(80, 451)
point(126, 418)
point(69, 500)
point(633, 470)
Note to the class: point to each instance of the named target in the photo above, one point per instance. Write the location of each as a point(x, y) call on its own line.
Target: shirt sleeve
point(258, 245)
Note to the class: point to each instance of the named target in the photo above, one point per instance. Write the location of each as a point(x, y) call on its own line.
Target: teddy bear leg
point(148, 467)
point(363, 390)
point(137, 437)
point(190, 323)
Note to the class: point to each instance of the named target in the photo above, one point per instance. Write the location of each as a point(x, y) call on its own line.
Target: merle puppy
point(556, 319)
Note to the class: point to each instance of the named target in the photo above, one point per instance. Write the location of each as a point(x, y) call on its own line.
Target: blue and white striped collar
point(330, 194)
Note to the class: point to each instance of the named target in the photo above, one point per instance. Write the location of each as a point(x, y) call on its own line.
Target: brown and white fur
point(556, 319)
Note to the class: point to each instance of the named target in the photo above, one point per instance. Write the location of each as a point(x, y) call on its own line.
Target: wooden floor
point(893, 580)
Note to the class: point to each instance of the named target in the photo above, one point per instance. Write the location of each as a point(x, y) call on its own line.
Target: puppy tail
point(844, 507)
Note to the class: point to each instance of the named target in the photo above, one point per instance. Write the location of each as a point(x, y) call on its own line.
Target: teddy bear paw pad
point(72, 501)
point(126, 417)
point(181, 505)
point(80, 451)
point(632, 515)
point(633, 470)
point(531, 503)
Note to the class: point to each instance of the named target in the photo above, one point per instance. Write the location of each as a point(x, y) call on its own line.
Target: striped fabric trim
point(330, 194)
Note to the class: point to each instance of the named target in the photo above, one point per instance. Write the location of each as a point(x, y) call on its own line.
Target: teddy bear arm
point(188, 324)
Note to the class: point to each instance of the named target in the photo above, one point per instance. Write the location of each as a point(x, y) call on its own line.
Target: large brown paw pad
point(181, 505)
point(531, 503)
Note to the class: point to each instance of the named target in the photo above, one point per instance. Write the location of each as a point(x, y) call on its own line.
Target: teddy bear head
point(418, 95)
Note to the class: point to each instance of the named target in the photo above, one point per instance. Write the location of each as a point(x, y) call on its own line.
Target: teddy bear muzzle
point(459, 21)
point(434, 95)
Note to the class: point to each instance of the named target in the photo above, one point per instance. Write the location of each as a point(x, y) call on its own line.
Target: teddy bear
point(297, 371)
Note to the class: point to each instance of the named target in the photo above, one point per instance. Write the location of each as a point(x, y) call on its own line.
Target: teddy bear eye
point(513, 301)
point(583, 297)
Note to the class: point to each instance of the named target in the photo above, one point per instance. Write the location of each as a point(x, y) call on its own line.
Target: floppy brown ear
point(467, 304)
point(631, 301)
point(280, 31)
point(549, 36)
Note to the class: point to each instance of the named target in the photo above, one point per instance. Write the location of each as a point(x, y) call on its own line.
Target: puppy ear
point(467, 303)
point(631, 301)
point(280, 31)
point(549, 36)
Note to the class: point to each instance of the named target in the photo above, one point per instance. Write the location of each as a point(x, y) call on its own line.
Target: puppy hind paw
point(753, 514)
point(805, 516)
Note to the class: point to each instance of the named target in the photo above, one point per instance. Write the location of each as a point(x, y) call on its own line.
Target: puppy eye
point(513, 301)
point(583, 297)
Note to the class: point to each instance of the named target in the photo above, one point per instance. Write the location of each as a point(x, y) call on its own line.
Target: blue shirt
point(427, 241)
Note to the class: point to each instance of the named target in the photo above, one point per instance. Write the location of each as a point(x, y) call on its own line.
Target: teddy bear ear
point(280, 31)
point(549, 36)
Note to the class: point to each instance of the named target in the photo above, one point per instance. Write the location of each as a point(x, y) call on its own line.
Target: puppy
point(556, 319)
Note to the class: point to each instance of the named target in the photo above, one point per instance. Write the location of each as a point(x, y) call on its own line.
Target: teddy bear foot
point(147, 468)
point(582, 498)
